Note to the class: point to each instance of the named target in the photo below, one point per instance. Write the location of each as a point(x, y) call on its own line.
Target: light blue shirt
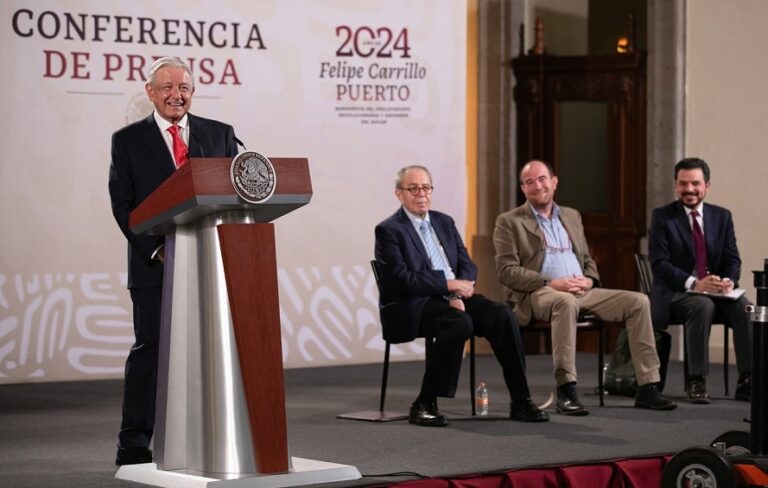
point(416, 221)
point(559, 259)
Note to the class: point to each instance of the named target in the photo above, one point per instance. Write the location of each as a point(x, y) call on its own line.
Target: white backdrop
point(360, 87)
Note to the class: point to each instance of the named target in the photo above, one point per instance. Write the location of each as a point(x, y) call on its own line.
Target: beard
point(685, 198)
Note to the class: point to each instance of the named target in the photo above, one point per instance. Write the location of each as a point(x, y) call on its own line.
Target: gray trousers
point(698, 313)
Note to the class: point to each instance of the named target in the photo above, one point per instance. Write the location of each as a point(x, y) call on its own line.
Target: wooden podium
point(220, 412)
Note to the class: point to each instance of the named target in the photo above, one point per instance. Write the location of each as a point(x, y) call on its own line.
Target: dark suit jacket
point(671, 251)
point(407, 278)
point(140, 163)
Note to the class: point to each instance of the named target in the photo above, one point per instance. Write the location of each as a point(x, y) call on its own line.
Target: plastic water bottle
point(481, 399)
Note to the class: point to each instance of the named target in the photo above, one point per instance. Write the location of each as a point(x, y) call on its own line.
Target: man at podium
point(144, 154)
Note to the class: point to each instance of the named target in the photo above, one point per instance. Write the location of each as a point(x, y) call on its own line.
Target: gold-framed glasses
point(415, 190)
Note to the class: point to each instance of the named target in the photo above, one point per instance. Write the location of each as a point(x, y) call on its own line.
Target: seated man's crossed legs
point(562, 309)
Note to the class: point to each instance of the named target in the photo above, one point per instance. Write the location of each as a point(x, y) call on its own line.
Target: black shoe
point(648, 396)
point(426, 415)
point(527, 411)
point(568, 402)
point(697, 390)
point(132, 455)
point(744, 388)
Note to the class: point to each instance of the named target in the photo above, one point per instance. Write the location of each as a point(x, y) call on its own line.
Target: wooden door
point(585, 115)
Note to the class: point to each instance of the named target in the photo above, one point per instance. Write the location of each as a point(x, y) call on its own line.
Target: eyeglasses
point(558, 249)
point(415, 190)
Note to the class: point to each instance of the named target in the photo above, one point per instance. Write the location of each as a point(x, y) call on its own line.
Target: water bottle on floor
point(481, 399)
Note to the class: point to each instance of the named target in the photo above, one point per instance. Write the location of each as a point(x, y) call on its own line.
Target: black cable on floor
point(398, 473)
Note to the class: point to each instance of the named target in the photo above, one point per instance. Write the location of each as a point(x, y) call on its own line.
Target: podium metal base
point(304, 472)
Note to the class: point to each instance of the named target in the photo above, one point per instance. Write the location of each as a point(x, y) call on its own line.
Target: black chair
point(643, 266)
point(382, 415)
point(588, 323)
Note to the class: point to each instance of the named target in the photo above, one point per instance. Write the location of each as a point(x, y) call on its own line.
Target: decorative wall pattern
point(54, 326)
point(63, 326)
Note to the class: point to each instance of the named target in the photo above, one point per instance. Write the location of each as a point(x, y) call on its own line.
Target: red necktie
point(699, 246)
point(179, 148)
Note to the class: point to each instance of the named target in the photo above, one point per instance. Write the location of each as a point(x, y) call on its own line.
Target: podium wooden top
point(202, 187)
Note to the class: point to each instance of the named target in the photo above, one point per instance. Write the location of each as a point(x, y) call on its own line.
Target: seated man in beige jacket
point(543, 261)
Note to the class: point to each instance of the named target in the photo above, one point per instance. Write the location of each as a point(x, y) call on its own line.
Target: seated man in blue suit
point(692, 247)
point(427, 289)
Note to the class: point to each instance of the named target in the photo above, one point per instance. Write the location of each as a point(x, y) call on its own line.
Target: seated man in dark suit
point(692, 247)
point(144, 154)
point(427, 289)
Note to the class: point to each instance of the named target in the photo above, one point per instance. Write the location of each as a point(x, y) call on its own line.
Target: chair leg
point(726, 353)
point(377, 415)
point(472, 374)
point(600, 359)
point(384, 376)
point(685, 360)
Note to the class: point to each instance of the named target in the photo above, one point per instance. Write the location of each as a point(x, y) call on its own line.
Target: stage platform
point(64, 434)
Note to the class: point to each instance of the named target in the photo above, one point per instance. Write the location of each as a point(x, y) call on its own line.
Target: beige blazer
point(520, 248)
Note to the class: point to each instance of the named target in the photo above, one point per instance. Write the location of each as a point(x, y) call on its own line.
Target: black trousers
point(447, 329)
point(141, 370)
point(698, 313)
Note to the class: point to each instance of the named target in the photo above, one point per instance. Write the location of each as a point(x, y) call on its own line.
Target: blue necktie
point(434, 253)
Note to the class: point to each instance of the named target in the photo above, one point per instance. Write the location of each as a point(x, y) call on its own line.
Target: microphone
point(239, 142)
point(199, 146)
